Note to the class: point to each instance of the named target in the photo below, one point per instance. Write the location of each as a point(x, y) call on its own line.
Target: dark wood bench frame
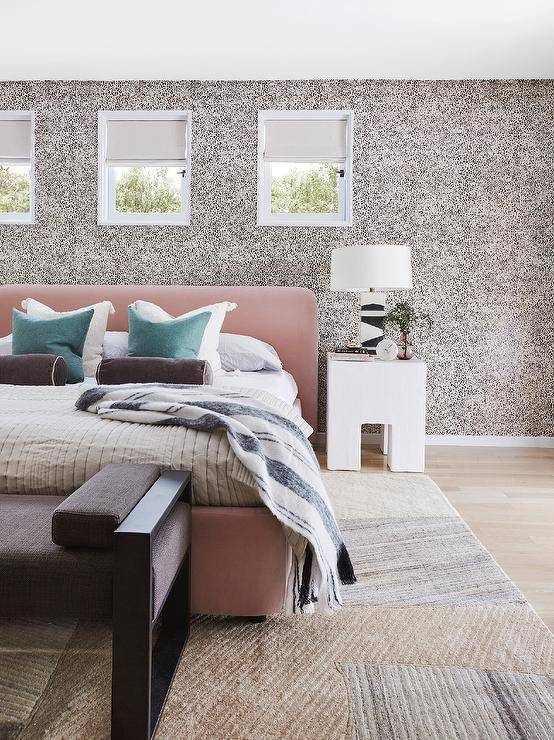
point(142, 668)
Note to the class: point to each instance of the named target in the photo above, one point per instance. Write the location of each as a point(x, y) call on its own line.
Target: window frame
point(107, 215)
point(14, 218)
point(264, 215)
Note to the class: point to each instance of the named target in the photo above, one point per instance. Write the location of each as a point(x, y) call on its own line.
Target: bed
point(240, 555)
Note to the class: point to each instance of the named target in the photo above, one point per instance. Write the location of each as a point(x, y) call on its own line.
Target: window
point(304, 168)
point(17, 164)
point(144, 167)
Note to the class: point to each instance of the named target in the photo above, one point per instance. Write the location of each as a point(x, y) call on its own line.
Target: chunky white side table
point(376, 392)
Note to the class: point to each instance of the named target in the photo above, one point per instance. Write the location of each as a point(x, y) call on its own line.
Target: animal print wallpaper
point(461, 170)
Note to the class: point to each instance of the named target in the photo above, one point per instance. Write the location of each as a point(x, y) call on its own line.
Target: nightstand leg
point(344, 441)
point(406, 448)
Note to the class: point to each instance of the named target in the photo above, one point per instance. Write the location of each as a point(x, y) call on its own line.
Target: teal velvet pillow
point(179, 338)
point(64, 336)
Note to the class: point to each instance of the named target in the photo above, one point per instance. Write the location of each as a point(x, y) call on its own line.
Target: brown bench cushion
point(38, 579)
point(89, 517)
point(118, 370)
point(33, 370)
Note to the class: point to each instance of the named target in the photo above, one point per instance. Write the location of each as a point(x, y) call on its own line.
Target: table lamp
point(366, 270)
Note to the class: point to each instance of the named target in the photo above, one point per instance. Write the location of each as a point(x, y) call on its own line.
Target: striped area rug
point(434, 643)
point(407, 701)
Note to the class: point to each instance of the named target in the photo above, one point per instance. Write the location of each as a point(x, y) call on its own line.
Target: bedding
point(236, 351)
point(92, 351)
point(210, 340)
point(248, 354)
point(33, 370)
point(279, 383)
point(274, 449)
point(118, 370)
point(5, 345)
point(47, 446)
point(180, 339)
point(63, 335)
point(116, 344)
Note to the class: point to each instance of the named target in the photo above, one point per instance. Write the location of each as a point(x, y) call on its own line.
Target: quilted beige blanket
point(48, 447)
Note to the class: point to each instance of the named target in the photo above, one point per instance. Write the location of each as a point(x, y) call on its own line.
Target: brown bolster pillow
point(90, 516)
point(33, 370)
point(118, 370)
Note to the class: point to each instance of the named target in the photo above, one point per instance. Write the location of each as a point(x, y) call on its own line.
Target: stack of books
point(352, 356)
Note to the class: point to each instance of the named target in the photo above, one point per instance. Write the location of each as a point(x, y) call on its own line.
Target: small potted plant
point(405, 316)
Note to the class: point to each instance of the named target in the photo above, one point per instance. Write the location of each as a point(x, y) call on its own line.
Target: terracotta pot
point(405, 346)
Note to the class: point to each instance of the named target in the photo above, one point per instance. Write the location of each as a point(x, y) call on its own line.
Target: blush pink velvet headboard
point(284, 317)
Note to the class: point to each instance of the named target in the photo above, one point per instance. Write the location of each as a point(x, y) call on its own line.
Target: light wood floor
point(506, 495)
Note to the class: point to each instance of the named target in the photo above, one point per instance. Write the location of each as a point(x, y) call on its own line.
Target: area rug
point(434, 642)
point(29, 654)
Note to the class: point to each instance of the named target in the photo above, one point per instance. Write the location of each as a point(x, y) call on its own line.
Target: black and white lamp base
point(372, 312)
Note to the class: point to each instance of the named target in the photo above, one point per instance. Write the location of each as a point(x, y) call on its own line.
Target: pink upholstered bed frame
point(239, 555)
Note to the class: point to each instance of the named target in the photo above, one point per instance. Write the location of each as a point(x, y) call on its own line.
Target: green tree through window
point(306, 190)
point(15, 191)
point(147, 190)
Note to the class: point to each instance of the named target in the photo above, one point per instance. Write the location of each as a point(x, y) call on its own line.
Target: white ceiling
point(281, 39)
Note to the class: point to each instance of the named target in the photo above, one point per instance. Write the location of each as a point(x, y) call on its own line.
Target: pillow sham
point(63, 336)
point(5, 345)
point(33, 370)
point(119, 370)
point(92, 351)
point(116, 344)
point(178, 338)
point(248, 354)
point(210, 340)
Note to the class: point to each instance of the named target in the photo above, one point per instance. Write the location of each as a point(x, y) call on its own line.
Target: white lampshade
point(377, 266)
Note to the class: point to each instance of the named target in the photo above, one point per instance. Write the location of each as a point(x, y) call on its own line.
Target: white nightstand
point(376, 392)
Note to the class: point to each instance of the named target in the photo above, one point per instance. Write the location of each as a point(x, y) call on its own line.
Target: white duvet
point(280, 383)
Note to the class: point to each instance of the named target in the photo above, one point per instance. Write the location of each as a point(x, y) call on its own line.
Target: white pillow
point(239, 352)
point(6, 345)
point(92, 350)
point(116, 344)
point(210, 340)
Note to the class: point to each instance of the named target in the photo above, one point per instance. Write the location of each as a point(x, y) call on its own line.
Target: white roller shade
point(146, 141)
point(15, 141)
point(305, 141)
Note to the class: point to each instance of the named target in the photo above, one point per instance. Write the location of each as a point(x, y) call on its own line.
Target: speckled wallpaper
point(463, 171)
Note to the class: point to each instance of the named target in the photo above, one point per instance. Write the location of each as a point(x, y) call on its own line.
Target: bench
point(118, 549)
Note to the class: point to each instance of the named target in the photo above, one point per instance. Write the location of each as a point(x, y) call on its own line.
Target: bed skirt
point(240, 561)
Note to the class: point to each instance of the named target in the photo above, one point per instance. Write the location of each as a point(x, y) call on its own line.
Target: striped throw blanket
point(277, 453)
